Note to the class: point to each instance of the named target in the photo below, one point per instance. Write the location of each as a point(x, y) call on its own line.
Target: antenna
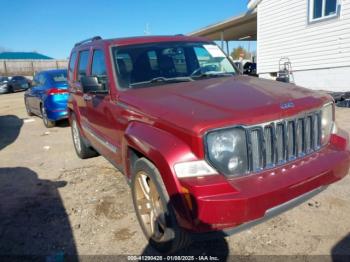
point(147, 30)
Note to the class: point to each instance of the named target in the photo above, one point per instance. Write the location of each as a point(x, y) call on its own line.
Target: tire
point(29, 113)
point(82, 148)
point(47, 122)
point(167, 237)
point(10, 89)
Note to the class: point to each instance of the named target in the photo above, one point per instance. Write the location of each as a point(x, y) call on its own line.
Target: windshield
point(161, 63)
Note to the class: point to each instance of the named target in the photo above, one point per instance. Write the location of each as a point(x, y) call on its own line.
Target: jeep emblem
point(287, 105)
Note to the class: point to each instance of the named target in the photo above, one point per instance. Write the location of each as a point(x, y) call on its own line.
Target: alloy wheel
point(150, 207)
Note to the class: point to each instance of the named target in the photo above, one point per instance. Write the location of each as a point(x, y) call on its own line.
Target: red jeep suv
point(206, 150)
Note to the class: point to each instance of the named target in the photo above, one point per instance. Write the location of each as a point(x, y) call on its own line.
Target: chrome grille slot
point(256, 150)
point(269, 145)
point(291, 140)
point(280, 143)
point(308, 134)
point(276, 143)
point(316, 131)
point(300, 137)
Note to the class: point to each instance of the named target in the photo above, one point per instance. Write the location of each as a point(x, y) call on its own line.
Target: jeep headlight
point(327, 124)
point(227, 151)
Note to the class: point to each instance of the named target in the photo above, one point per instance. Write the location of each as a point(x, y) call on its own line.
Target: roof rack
point(88, 40)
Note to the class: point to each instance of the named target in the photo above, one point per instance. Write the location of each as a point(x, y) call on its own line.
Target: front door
point(102, 124)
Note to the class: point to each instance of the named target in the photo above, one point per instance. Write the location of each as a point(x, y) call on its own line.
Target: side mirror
point(90, 84)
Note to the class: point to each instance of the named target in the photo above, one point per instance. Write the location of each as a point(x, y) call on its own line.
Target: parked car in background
point(48, 96)
point(205, 149)
point(3, 84)
point(17, 83)
point(246, 67)
point(249, 68)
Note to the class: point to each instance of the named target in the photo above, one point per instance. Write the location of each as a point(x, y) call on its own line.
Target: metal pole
point(222, 40)
point(33, 72)
point(227, 49)
point(5, 68)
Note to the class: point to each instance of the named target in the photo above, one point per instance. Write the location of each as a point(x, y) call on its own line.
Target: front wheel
point(154, 210)
point(48, 123)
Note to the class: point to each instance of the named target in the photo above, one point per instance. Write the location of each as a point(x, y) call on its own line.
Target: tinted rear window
point(59, 77)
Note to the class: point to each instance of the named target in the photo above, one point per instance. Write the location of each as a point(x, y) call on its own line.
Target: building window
point(323, 9)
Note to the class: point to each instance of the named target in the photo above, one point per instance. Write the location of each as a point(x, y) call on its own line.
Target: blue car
point(48, 96)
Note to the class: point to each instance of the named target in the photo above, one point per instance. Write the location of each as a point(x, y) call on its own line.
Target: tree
point(240, 52)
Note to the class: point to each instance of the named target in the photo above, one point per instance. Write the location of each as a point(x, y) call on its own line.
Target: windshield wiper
point(162, 80)
point(211, 74)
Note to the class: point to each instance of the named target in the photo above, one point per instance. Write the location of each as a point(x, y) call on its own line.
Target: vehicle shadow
point(215, 246)
point(62, 123)
point(10, 127)
point(33, 222)
point(341, 251)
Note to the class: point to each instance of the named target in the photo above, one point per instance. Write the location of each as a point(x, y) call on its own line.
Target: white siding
point(284, 31)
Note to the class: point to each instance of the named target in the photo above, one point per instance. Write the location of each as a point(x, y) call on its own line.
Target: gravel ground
point(53, 203)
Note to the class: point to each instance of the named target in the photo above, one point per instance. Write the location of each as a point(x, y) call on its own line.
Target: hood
point(218, 102)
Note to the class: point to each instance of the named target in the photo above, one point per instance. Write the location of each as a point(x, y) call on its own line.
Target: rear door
point(33, 93)
point(76, 88)
point(38, 92)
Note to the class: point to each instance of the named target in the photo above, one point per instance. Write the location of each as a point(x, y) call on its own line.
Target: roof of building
point(23, 55)
point(242, 27)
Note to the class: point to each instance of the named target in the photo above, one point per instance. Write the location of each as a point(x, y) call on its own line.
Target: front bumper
point(229, 206)
point(3, 89)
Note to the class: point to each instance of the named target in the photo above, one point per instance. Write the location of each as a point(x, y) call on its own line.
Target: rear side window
point(83, 62)
point(41, 79)
point(73, 57)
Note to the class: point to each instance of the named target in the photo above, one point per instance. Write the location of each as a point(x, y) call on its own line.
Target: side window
point(323, 9)
point(98, 68)
point(72, 60)
point(36, 80)
point(41, 79)
point(82, 65)
point(153, 60)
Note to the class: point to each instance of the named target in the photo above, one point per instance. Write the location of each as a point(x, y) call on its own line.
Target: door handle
point(87, 97)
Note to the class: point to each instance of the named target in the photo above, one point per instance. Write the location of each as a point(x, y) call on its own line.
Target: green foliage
point(240, 52)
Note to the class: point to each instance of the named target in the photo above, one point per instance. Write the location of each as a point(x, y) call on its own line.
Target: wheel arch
point(163, 150)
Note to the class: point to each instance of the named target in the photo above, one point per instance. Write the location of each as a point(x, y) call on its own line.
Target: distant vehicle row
point(13, 84)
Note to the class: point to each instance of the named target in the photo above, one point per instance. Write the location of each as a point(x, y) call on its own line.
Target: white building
point(313, 34)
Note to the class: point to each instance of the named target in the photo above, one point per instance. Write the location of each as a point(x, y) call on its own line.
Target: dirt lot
point(52, 203)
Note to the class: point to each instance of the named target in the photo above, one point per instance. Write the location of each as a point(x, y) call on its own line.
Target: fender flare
point(164, 150)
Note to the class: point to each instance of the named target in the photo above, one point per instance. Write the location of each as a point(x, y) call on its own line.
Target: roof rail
point(88, 40)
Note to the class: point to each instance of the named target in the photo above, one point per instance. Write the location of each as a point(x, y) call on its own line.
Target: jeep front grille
point(282, 141)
